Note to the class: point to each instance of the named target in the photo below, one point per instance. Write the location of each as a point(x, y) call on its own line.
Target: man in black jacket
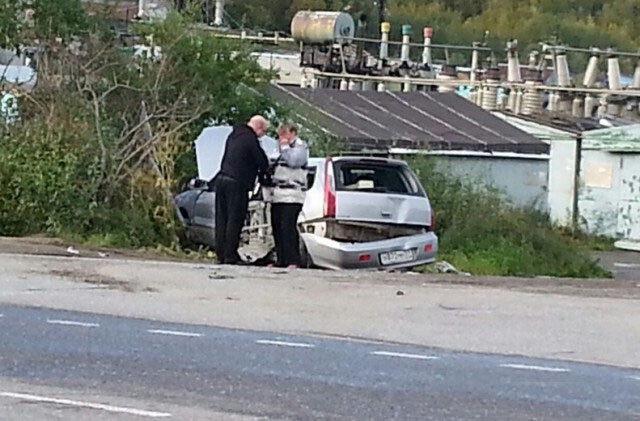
point(243, 160)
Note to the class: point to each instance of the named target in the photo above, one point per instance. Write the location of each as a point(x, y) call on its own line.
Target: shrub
point(482, 233)
point(105, 138)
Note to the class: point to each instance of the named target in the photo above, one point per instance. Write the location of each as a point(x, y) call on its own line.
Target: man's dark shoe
point(239, 262)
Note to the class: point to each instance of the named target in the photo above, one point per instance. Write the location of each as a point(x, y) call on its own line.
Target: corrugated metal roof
point(624, 136)
point(614, 139)
point(414, 120)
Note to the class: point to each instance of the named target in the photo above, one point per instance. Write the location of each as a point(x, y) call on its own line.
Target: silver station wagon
point(359, 212)
point(366, 213)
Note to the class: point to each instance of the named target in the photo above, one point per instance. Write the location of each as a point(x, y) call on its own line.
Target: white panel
point(629, 206)
point(562, 166)
point(598, 175)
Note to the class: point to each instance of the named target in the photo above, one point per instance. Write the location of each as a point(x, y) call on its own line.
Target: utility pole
point(381, 12)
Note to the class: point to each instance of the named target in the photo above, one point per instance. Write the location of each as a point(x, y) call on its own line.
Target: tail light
point(329, 192)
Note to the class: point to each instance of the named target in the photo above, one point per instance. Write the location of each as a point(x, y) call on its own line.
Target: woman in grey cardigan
point(287, 194)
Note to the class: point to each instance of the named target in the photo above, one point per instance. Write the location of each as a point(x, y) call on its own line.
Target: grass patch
point(482, 233)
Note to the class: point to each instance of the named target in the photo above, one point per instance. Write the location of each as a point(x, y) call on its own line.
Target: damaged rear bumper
point(395, 253)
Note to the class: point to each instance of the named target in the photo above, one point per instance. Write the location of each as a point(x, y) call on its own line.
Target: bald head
point(259, 124)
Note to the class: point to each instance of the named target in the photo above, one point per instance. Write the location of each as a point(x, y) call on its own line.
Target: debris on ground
point(219, 276)
point(71, 250)
point(446, 267)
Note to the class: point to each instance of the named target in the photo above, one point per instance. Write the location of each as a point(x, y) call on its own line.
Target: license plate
point(395, 257)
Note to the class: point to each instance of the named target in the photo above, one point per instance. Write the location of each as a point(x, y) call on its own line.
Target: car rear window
point(376, 177)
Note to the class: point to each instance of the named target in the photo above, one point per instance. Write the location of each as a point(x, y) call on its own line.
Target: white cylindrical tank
point(591, 74)
point(385, 28)
point(479, 96)
point(473, 96)
point(531, 103)
point(475, 58)
point(613, 73)
point(551, 105)
point(381, 87)
point(513, 64)
point(344, 85)
point(589, 104)
point(564, 103)
point(318, 28)
point(636, 77)
point(218, 19)
point(614, 109)
point(563, 77)
point(443, 87)
point(426, 52)
point(602, 107)
point(406, 86)
point(511, 102)
point(368, 85)
point(354, 85)
point(405, 50)
point(490, 95)
point(519, 101)
point(577, 107)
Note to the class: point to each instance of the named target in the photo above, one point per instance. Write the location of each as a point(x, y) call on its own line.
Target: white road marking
point(536, 368)
point(402, 355)
point(282, 343)
point(72, 323)
point(175, 333)
point(627, 265)
point(108, 408)
point(635, 378)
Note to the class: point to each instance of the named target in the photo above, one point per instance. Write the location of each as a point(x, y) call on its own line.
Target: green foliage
point(10, 25)
point(58, 18)
point(580, 23)
point(481, 233)
point(99, 153)
point(22, 21)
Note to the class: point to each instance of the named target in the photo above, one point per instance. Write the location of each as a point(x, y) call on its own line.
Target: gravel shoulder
point(579, 320)
point(624, 265)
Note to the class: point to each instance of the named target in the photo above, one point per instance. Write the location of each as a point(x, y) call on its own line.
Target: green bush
point(482, 233)
point(104, 140)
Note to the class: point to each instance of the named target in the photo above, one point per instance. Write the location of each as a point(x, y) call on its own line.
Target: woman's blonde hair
point(287, 127)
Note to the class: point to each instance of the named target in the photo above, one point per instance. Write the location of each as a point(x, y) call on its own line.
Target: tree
point(100, 136)
point(11, 23)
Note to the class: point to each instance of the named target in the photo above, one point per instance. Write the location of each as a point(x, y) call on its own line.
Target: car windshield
point(376, 177)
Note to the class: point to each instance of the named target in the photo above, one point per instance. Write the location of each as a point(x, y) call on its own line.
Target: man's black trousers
point(284, 223)
point(232, 202)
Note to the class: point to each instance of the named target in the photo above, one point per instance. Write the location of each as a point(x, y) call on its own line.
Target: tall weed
point(482, 233)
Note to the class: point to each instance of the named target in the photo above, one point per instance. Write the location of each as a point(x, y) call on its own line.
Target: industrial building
point(585, 169)
point(467, 139)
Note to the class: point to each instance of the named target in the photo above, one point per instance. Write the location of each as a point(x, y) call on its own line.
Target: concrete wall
point(523, 181)
point(562, 173)
point(609, 195)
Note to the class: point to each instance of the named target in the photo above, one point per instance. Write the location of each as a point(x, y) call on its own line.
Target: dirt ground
point(47, 246)
point(624, 265)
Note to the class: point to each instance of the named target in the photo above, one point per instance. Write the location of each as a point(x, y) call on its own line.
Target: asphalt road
point(69, 365)
point(623, 265)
